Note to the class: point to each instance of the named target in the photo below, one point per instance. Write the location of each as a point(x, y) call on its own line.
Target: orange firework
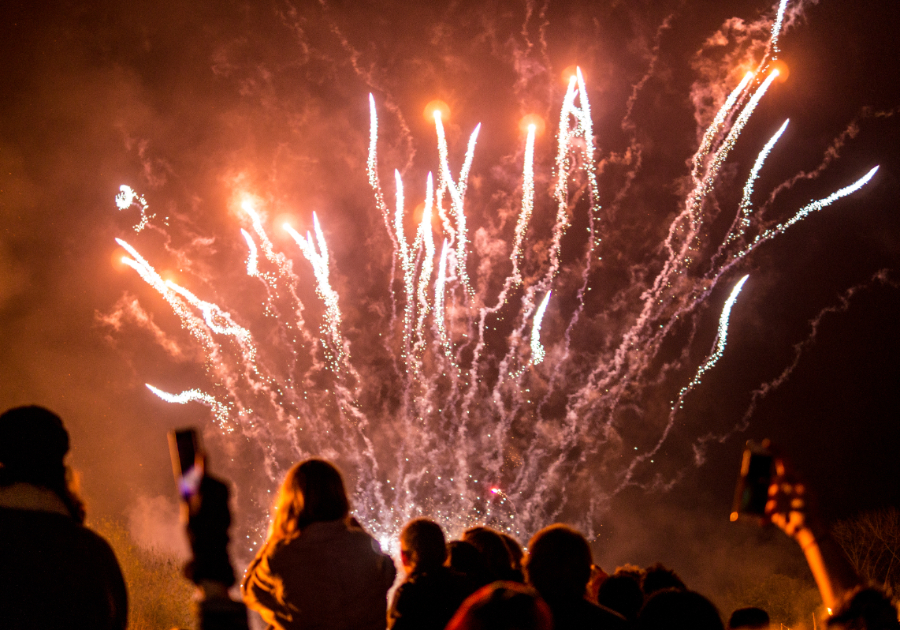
point(783, 71)
point(434, 108)
point(532, 120)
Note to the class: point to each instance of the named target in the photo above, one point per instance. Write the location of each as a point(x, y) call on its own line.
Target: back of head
point(658, 578)
point(866, 609)
point(502, 606)
point(313, 491)
point(464, 558)
point(622, 593)
point(673, 608)
point(516, 553)
point(558, 563)
point(632, 570)
point(424, 544)
point(752, 618)
point(493, 549)
point(33, 444)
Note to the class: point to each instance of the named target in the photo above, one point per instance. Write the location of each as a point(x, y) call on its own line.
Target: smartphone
point(187, 464)
point(752, 493)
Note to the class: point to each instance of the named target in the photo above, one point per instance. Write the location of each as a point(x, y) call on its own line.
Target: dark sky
point(199, 104)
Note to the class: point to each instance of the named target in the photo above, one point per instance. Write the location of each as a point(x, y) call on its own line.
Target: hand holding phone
point(752, 492)
point(187, 461)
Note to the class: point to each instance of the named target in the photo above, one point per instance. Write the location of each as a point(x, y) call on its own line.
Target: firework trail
point(475, 414)
point(742, 220)
point(879, 279)
point(537, 350)
point(319, 261)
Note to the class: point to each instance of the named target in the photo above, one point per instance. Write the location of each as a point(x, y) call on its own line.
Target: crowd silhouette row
point(319, 569)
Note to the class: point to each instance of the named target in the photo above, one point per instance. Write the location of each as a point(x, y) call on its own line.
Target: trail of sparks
point(537, 350)
point(744, 209)
point(805, 211)
point(457, 197)
point(220, 411)
point(711, 360)
point(721, 340)
point(527, 206)
point(319, 261)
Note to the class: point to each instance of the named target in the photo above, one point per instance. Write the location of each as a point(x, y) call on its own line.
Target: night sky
point(197, 104)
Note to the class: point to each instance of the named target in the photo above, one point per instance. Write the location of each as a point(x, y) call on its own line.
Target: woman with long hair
point(317, 569)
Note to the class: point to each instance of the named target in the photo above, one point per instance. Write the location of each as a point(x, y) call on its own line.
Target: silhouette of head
point(422, 545)
point(658, 578)
point(622, 593)
point(673, 608)
point(493, 549)
point(558, 563)
point(752, 618)
point(502, 606)
point(313, 491)
point(516, 553)
point(867, 609)
point(33, 445)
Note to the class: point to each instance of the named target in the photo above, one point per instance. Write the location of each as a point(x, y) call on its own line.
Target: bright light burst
point(128, 198)
point(469, 402)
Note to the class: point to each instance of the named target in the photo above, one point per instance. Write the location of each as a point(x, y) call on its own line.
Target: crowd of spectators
point(319, 569)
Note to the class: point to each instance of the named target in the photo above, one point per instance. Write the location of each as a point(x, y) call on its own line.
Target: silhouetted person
point(558, 566)
point(316, 570)
point(620, 592)
point(209, 518)
point(495, 552)
point(658, 578)
point(503, 606)
point(463, 557)
point(431, 592)
point(516, 555)
point(865, 608)
point(674, 609)
point(751, 618)
point(54, 572)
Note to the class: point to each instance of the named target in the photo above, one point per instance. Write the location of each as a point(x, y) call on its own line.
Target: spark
point(252, 255)
point(126, 198)
point(805, 211)
point(744, 208)
point(527, 206)
point(776, 28)
point(719, 349)
point(537, 350)
point(457, 197)
point(220, 411)
point(318, 258)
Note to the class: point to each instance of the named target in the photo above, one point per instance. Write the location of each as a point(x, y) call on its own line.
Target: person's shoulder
point(16, 524)
point(363, 539)
point(606, 617)
point(92, 539)
point(586, 614)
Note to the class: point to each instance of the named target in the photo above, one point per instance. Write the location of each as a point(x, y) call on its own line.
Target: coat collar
point(25, 496)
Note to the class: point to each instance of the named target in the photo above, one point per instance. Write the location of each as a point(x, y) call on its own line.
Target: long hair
point(313, 491)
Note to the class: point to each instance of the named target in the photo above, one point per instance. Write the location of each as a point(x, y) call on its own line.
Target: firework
point(473, 390)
